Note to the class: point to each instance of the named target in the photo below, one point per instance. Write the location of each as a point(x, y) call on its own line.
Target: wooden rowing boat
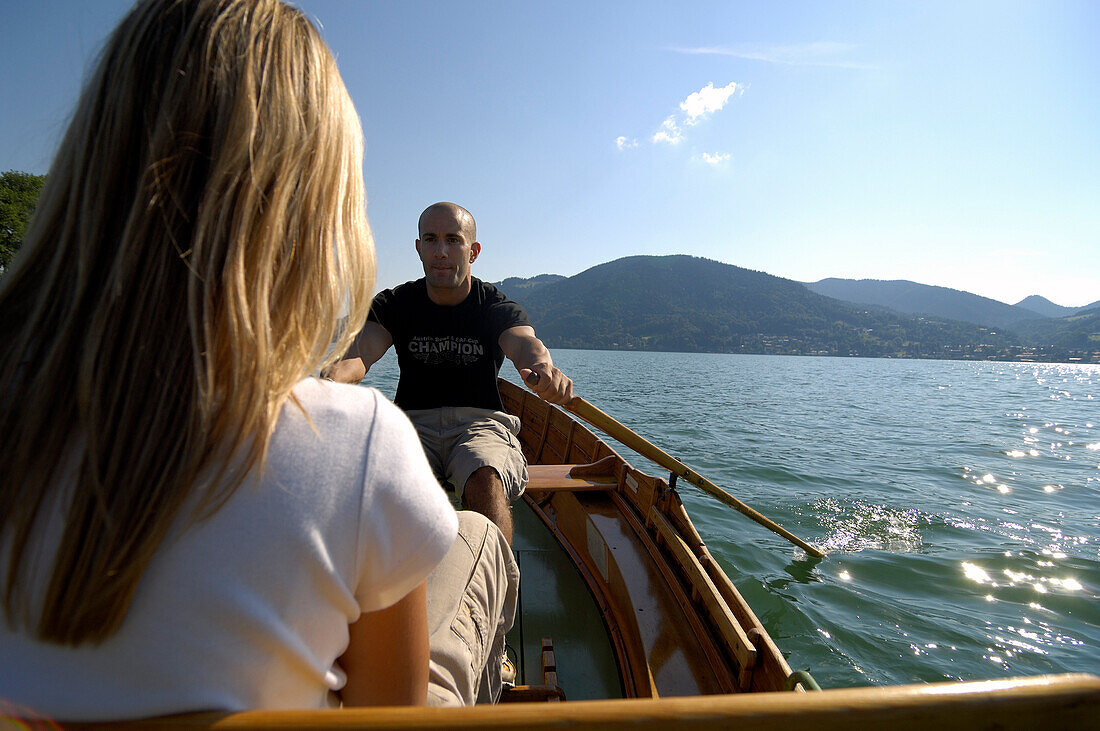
point(675, 623)
point(626, 620)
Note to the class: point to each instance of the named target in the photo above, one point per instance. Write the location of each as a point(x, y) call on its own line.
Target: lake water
point(959, 502)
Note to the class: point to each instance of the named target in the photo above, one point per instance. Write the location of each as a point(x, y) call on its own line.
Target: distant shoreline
point(1082, 358)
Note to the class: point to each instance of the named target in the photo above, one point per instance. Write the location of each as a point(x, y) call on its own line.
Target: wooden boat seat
point(548, 691)
point(554, 477)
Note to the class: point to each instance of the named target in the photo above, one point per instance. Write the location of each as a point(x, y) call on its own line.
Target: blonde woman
point(187, 521)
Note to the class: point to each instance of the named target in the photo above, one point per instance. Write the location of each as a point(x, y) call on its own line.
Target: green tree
point(18, 196)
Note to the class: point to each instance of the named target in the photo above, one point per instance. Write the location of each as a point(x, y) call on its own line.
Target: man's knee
point(483, 484)
point(484, 493)
point(488, 452)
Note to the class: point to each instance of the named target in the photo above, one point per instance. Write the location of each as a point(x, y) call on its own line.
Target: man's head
point(447, 245)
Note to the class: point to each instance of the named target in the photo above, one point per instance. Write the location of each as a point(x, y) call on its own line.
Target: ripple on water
point(858, 525)
point(1037, 604)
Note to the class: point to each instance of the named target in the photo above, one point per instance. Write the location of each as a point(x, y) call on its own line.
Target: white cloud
point(707, 100)
point(716, 159)
point(669, 132)
point(818, 53)
point(697, 107)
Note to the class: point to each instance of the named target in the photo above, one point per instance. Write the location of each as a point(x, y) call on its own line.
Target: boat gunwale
point(1068, 701)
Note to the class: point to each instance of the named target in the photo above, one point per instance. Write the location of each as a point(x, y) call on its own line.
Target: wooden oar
point(639, 444)
point(647, 449)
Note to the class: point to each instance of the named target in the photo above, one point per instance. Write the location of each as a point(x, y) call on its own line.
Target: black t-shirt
point(448, 355)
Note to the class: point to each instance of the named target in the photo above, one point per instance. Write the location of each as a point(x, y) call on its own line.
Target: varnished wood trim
point(772, 668)
point(605, 468)
point(1048, 702)
point(721, 667)
point(732, 632)
point(560, 477)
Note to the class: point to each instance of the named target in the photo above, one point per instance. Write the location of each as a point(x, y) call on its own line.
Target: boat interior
point(675, 623)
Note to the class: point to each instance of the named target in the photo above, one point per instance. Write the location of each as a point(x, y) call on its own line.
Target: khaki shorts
point(472, 597)
point(459, 440)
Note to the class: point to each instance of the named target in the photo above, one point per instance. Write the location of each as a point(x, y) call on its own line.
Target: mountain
point(913, 298)
point(1045, 307)
point(1081, 310)
point(684, 303)
point(517, 284)
point(1079, 331)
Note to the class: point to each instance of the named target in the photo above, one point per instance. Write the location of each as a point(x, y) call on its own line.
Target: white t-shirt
point(250, 608)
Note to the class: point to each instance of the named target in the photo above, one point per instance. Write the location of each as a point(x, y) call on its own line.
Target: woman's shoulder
point(322, 411)
point(347, 443)
point(324, 396)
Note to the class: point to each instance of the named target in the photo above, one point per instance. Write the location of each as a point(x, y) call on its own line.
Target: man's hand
point(535, 365)
point(350, 370)
point(549, 383)
point(371, 344)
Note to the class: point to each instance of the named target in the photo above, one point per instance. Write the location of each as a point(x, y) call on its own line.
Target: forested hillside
point(683, 303)
point(912, 298)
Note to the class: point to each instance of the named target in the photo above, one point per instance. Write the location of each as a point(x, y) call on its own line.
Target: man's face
point(446, 248)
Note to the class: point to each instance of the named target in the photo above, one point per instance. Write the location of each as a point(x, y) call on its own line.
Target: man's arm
point(371, 344)
point(529, 355)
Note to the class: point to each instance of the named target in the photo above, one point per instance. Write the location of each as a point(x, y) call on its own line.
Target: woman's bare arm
point(387, 657)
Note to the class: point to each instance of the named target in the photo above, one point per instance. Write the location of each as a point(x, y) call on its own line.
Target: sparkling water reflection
point(958, 502)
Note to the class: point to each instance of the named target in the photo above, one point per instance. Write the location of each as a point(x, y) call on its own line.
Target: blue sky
point(953, 144)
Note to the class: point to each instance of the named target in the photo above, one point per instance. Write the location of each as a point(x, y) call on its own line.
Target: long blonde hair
point(200, 234)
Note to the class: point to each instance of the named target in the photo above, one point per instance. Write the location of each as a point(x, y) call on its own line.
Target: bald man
point(452, 332)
